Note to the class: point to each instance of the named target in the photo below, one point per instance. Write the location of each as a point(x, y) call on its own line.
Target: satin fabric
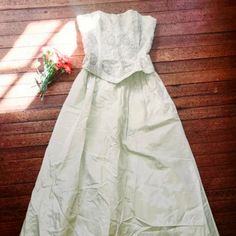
point(118, 162)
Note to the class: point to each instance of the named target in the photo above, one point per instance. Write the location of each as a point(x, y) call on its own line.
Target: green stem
point(46, 79)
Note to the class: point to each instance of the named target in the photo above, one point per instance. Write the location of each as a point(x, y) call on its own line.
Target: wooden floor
point(194, 51)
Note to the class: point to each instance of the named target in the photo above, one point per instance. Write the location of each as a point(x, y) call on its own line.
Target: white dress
point(118, 162)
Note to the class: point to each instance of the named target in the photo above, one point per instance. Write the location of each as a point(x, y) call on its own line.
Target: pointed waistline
point(115, 71)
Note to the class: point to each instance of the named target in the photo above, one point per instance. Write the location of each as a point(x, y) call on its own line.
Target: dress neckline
point(115, 14)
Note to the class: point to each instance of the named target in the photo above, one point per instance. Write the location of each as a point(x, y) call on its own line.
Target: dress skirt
point(118, 163)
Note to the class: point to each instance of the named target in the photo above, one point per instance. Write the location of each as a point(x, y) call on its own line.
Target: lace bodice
point(116, 45)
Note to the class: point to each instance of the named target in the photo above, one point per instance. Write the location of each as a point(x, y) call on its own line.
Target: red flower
point(59, 64)
point(67, 68)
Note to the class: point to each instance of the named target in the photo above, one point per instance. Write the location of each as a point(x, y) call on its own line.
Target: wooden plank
point(4, 4)
point(159, 55)
point(27, 127)
point(18, 203)
point(159, 42)
point(13, 104)
point(195, 65)
point(22, 153)
point(31, 65)
point(11, 228)
point(163, 17)
point(38, 151)
point(213, 183)
point(69, 25)
point(176, 54)
point(216, 160)
point(30, 115)
point(16, 190)
point(219, 171)
point(209, 124)
point(213, 148)
point(207, 112)
point(195, 28)
point(60, 88)
point(35, 27)
point(47, 12)
point(22, 165)
point(46, 39)
point(18, 177)
point(193, 15)
point(48, 125)
point(38, 139)
point(162, 5)
point(27, 78)
point(221, 194)
point(218, 74)
point(22, 175)
point(52, 114)
point(196, 77)
point(9, 105)
point(226, 228)
point(230, 218)
point(25, 140)
point(203, 100)
point(29, 91)
point(225, 87)
point(192, 40)
point(161, 67)
point(6, 216)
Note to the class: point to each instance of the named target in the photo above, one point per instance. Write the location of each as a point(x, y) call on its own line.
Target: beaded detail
point(116, 45)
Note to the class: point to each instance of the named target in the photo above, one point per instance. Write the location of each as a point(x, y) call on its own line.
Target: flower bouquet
point(54, 64)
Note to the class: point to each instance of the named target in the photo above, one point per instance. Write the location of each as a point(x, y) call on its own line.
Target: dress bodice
point(116, 45)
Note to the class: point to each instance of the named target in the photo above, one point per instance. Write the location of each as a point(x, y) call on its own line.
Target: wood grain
point(193, 51)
